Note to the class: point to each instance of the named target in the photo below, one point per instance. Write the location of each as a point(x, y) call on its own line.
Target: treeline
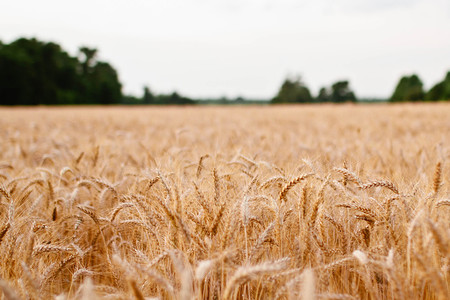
point(34, 72)
point(157, 99)
point(294, 90)
point(409, 89)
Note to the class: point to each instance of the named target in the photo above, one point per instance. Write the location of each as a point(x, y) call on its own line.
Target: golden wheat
point(225, 202)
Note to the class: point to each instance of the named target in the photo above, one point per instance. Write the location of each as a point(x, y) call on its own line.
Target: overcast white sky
point(204, 48)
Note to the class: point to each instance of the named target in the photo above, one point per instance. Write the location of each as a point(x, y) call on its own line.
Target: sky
point(216, 48)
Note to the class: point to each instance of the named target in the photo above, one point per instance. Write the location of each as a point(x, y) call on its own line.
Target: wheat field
point(284, 202)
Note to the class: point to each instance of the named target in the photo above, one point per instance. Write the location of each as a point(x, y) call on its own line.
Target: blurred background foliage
point(34, 72)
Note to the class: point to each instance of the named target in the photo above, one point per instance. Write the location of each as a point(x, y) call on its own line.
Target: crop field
point(280, 202)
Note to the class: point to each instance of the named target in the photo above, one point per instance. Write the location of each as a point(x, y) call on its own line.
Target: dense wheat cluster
point(318, 202)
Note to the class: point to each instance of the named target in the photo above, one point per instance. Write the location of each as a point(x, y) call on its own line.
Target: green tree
point(440, 91)
point(104, 84)
point(446, 95)
point(409, 88)
point(324, 95)
point(33, 72)
point(148, 97)
point(100, 80)
point(88, 56)
point(341, 92)
point(174, 98)
point(436, 92)
point(293, 91)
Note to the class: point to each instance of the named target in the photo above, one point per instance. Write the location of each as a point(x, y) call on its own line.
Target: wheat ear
point(290, 185)
point(380, 183)
point(437, 178)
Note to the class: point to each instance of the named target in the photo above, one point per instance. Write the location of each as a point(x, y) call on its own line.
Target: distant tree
point(409, 88)
point(292, 91)
point(100, 82)
point(173, 99)
point(324, 95)
point(131, 100)
point(88, 56)
point(176, 98)
point(436, 92)
point(446, 95)
point(148, 97)
point(440, 91)
point(33, 72)
point(104, 84)
point(239, 100)
point(341, 92)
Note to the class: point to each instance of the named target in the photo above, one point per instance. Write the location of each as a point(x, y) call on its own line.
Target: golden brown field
point(311, 202)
